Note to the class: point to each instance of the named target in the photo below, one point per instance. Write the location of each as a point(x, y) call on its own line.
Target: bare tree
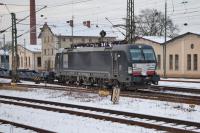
point(151, 22)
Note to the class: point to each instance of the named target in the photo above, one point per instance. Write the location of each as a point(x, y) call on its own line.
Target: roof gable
point(33, 48)
point(45, 26)
point(154, 39)
point(182, 36)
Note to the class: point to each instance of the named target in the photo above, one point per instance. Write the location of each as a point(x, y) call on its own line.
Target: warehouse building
point(182, 54)
point(29, 57)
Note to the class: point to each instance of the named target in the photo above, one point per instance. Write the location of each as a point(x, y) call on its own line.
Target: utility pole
point(72, 30)
point(164, 45)
point(14, 49)
point(4, 49)
point(130, 22)
point(24, 53)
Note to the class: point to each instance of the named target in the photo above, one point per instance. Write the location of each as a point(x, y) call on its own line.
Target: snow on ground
point(63, 123)
point(180, 79)
point(12, 129)
point(180, 84)
point(151, 107)
point(2, 80)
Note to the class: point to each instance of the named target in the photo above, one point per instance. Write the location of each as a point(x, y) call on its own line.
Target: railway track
point(147, 121)
point(178, 98)
point(39, 130)
point(186, 81)
point(156, 94)
point(176, 89)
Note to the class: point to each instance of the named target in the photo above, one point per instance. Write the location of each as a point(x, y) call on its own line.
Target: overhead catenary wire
point(21, 20)
point(176, 7)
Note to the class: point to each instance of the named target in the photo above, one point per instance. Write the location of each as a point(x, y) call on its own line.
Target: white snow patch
point(135, 105)
point(62, 123)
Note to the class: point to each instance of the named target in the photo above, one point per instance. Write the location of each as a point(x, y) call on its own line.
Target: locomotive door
point(115, 64)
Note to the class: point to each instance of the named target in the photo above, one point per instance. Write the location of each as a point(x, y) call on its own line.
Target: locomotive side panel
point(90, 61)
point(87, 64)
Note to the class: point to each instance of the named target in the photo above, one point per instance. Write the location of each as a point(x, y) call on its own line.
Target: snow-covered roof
point(157, 39)
point(182, 36)
point(80, 31)
point(2, 52)
point(33, 48)
point(93, 31)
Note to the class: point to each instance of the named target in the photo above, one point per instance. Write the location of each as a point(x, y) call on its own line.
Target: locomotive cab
point(142, 65)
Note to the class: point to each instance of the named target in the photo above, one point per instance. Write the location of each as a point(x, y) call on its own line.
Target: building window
point(192, 46)
point(45, 52)
point(176, 62)
point(189, 62)
point(25, 61)
point(170, 62)
point(63, 39)
point(52, 64)
point(52, 51)
point(83, 40)
point(39, 61)
point(70, 39)
point(195, 58)
point(159, 62)
point(48, 38)
point(90, 40)
point(21, 61)
point(44, 39)
point(29, 61)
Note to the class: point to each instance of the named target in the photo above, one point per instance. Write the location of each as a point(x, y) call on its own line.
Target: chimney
point(33, 34)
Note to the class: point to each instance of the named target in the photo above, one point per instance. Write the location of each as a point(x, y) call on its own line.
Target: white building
point(29, 57)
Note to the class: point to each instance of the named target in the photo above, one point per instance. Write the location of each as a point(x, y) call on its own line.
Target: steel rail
point(186, 81)
point(25, 126)
point(176, 89)
point(101, 117)
point(145, 94)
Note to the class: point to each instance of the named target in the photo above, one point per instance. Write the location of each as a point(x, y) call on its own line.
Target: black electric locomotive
point(120, 65)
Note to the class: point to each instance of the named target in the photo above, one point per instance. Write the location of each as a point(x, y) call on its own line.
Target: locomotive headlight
point(130, 70)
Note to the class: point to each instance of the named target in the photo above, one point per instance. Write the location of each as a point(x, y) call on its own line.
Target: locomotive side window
point(136, 54)
point(65, 61)
point(149, 54)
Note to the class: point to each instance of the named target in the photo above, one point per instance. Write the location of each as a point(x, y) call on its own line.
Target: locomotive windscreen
point(149, 54)
point(142, 55)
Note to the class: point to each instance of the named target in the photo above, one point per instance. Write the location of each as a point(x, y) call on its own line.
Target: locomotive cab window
point(142, 54)
point(149, 54)
point(136, 54)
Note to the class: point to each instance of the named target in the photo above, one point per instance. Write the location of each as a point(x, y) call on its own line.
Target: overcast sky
point(59, 11)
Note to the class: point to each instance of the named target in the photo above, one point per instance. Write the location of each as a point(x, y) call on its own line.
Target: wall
point(27, 59)
point(181, 47)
